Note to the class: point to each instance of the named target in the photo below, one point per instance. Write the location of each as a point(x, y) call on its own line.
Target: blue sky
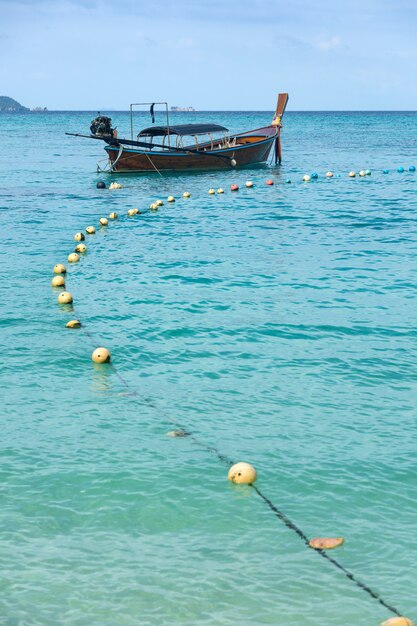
point(211, 54)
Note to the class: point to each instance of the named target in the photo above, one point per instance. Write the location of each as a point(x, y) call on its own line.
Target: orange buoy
point(326, 543)
point(234, 187)
point(270, 181)
point(397, 621)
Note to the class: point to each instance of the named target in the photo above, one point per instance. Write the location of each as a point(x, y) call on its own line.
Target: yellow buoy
point(103, 221)
point(79, 237)
point(58, 281)
point(159, 203)
point(81, 248)
point(397, 621)
point(171, 199)
point(326, 543)
point(73, 257)
point(73, 324)
point(113, 216)
point(329, 174)
point(211, 191)
point(186, 194)
point(90, 230)
point(101, 355)
point(59, 268)
point(306, 178)
point(65, 297)
point(242, 474)
point(352, 174)
point(249, 183)
point(362, 173)
point(220, 190)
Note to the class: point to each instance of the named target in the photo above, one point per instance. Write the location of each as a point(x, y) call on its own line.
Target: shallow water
point(276, 324)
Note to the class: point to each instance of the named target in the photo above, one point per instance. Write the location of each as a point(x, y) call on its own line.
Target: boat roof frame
point(135, 104)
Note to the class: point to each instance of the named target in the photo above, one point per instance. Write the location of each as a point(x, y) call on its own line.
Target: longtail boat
point(213, 148)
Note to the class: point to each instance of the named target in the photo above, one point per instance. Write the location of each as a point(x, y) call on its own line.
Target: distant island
point(8, 105)
point(182, 109)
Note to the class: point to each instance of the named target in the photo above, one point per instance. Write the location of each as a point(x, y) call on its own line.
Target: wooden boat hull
point(251, 149)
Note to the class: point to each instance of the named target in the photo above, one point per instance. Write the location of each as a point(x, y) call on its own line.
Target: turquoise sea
point(277, 325)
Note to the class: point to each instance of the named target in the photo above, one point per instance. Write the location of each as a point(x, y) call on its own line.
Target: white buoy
point(186, 194)
point(79, 237)
point(133, 212)
point(220, 190)
point(104, 221)
point(58, 281)
point(171, 199)
point(65, 297)
point(242, 474)
point(306, 178)
point(178, 433)
point(249, 183)
point(101, 355)
point(329, 174)
point(113, 216)
point(352, 174)
point(90, 230)
point(81, 248)
point(211, 192)
point(59, 268)
point(159, 203)
point(153, 206)
point(362, 173)
point(73, 257)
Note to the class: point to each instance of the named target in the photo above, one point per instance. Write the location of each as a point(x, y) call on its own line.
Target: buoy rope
point(279, 514)
point(113, 165)
point(324, 554)
point(226, 460)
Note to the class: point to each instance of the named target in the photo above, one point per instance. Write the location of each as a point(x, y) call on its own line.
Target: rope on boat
point(153, 164)
point(224, 459)
point(113, 165)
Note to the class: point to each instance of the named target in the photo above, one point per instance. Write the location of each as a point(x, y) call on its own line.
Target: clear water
point(277, 324)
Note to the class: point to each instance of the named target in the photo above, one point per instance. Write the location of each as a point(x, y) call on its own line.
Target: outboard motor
point(101, 126)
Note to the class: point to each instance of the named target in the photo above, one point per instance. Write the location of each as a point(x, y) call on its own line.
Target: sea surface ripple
point(276, 324)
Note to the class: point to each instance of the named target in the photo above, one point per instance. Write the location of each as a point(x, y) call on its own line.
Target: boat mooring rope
point(227, 461)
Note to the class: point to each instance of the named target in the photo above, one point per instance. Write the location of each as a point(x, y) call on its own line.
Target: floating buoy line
point(238, 473)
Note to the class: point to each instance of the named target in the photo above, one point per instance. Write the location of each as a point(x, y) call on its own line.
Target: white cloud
point(185, 42)
point(328, 44)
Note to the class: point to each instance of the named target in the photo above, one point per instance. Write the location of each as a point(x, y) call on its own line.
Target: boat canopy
point(182, 129)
